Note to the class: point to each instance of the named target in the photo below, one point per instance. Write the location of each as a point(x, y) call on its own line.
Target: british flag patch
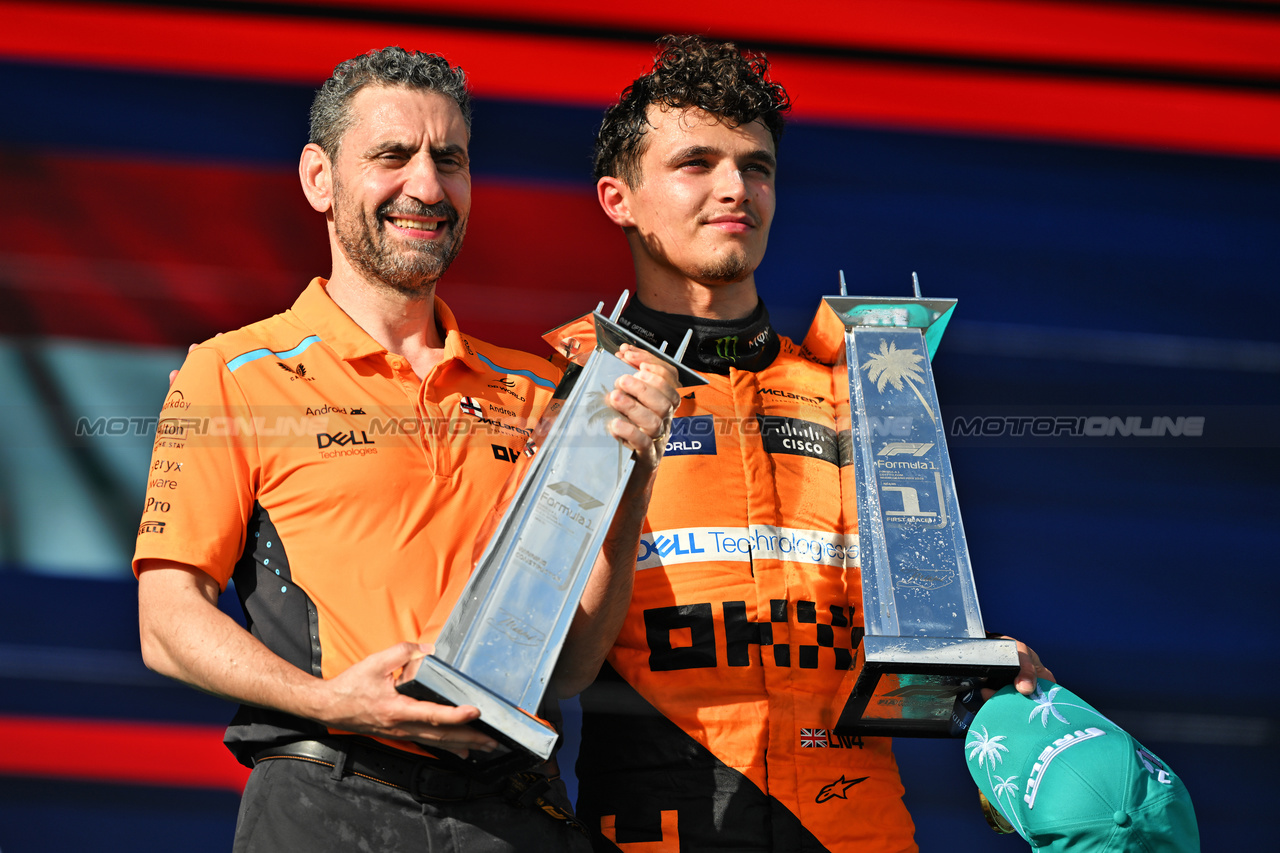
point(471, 406)
point(813, 738)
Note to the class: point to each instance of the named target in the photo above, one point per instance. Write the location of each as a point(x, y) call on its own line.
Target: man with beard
point(339, 461)
point(710, 726)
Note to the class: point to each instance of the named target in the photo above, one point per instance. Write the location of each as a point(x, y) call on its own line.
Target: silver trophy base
point(912, 685)
point(524, 741)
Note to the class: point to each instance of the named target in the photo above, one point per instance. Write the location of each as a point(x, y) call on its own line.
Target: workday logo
point(175, 400)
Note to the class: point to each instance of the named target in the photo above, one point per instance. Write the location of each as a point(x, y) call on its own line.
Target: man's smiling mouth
point(414, 224)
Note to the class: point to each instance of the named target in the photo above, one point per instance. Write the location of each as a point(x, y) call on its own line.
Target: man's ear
point(316, 174)
point(615, 197)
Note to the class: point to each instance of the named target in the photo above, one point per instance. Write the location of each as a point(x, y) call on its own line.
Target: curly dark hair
point(689, 71)
point(391, 66)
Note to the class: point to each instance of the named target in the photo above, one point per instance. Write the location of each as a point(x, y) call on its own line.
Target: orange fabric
point(376, 482)
point(746, 518)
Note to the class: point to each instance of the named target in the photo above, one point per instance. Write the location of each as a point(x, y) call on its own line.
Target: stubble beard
point(730, 268)
point(732, 264)
point(412, 269)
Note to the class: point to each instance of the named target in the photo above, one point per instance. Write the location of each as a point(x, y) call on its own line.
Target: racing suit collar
point(749, 343)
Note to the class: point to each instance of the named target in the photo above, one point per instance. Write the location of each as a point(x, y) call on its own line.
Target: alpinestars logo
point(471, 406)
point(299, 372)
point(838, 789)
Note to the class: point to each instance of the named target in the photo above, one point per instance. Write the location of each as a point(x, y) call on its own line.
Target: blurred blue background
point(1103, 208)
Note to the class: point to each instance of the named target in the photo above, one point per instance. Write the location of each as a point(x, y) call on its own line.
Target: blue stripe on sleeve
point(527, 374)
point(253, 355)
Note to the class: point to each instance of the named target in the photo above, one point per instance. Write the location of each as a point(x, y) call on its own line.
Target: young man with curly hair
point(710, 726)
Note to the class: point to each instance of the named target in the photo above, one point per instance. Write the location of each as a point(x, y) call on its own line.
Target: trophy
point(500, 643)
point(924, 646)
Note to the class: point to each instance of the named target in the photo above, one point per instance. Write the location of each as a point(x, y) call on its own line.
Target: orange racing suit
point(711, 725)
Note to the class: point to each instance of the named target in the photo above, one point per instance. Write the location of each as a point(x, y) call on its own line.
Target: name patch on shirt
point(798, 437)
point(693, 435)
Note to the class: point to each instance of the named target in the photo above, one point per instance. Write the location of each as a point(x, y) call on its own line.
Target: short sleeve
point(204, 471)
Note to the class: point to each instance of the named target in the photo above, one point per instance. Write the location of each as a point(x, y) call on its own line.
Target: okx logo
point(704, 637)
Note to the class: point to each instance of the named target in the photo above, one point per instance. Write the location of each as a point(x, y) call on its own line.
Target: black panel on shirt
point(283, 617)
point(639, 764)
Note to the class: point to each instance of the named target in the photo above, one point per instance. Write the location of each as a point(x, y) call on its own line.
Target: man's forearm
point(185, 636)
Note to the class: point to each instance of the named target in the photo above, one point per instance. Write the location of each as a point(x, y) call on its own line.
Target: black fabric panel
point(283, 617)
point(635, 763)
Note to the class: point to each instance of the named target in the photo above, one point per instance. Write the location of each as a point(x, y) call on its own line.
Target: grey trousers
point(298, 806)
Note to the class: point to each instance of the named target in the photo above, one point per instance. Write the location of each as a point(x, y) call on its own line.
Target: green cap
point(1068, 779)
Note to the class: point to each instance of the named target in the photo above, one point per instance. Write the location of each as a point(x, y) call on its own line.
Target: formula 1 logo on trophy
point(503, 637)
point(924, 644)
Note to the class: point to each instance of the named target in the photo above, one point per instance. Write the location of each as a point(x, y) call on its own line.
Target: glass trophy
point(501, 641)
point(924, 645)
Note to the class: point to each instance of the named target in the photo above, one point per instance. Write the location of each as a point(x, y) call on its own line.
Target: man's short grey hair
point(392, 66)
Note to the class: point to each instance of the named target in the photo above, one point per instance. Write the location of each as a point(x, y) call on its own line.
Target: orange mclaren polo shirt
point(342, 493)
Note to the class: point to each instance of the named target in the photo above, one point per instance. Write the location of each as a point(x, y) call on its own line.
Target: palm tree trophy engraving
point(894, 366)
point(601, 413)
